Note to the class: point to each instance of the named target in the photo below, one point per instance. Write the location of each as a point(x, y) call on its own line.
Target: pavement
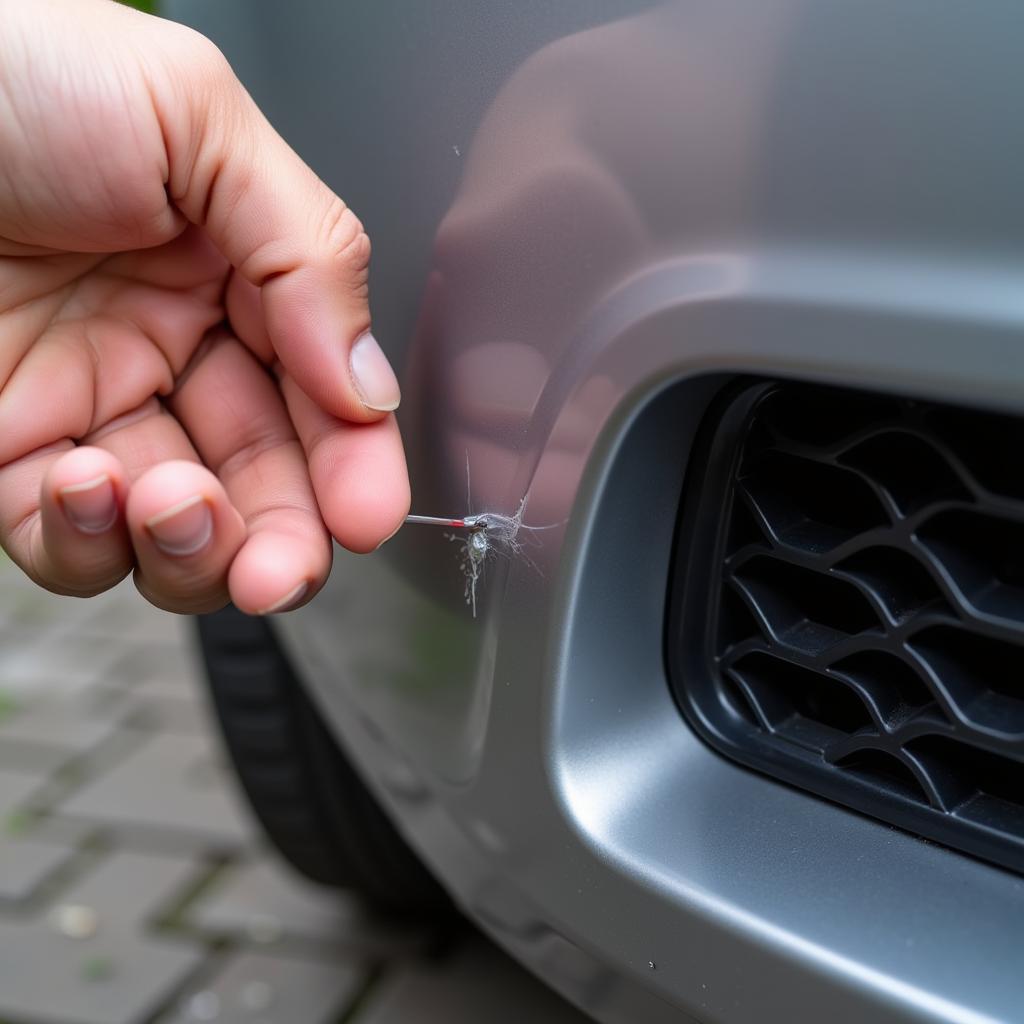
point(135, 888)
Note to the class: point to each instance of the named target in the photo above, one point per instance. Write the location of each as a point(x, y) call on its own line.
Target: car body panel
point(587, 218)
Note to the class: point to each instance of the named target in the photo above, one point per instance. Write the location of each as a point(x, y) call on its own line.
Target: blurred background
point(134, 886)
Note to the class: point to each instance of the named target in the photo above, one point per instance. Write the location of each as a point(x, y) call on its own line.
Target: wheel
point(309, 799)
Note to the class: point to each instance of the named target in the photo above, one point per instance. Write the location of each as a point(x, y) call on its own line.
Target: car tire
point(305, 793)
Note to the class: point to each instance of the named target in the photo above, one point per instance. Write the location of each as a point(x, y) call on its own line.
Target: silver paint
point(585, 217)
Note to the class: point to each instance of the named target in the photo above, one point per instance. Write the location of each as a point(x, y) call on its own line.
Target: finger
point(120, 340)
point(143, 438)
point(358, 471)
point(244, 307)
point(185, 533)
point(63, 519)
point(181, 565)
point(285, 231)
point(236, 418)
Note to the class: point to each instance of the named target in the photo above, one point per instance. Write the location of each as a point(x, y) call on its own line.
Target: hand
point(188, 385)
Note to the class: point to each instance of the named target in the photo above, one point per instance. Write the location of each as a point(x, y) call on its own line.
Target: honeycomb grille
point(848, 612)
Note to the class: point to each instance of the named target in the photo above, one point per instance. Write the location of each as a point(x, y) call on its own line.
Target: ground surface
point(134, 887)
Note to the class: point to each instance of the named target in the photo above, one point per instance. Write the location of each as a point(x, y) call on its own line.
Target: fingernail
point(372, 375)
point(91, 506)
point(182, 529)
point(389, 536)
point(284, 603)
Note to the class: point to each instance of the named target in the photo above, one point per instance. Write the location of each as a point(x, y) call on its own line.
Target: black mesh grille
point(848, 612)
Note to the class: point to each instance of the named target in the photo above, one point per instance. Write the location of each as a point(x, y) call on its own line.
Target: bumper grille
point(848, 611)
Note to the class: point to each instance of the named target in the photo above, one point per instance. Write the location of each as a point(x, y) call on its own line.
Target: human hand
point(188, 386)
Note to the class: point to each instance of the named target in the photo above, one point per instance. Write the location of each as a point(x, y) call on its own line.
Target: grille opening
point(817, 420)
point(988, 446)
point(803, 608)
point(898, 582)
point(983, 676)
point(891, 686)
point(875, 662)
point(735, 621)
point(976, 783)
point(984, 555)
point(809, 505)
point(884, 771)
point(789, 698)
point(743, 530)
point(910, 470)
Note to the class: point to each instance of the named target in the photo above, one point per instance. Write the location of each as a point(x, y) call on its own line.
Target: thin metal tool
point(468, 523)
point(435, 521)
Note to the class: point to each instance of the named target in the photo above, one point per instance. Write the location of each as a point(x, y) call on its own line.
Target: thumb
point(280, 226)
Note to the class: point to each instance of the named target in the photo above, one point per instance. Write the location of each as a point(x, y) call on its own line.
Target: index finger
point(357, 469)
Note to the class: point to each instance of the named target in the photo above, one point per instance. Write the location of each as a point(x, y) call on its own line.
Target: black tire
point(309, 799)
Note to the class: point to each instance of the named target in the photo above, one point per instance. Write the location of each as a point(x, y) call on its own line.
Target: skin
point(179, 297)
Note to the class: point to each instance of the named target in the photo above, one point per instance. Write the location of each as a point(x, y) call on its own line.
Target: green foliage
point(16, 823)
point(149, 6)
point(97, 968)
point(8, 704)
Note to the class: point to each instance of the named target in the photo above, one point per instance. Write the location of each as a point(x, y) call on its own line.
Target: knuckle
point(358, 252)
point(197, 56)
point(346, 241)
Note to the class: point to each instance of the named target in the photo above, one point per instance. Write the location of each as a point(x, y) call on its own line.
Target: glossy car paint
point(586, 217)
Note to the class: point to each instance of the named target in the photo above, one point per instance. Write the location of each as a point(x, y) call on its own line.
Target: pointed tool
point(468, 522)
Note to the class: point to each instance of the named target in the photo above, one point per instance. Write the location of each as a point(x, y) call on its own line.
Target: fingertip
point(183, 528)
point(80, 471)
point(289, 601)
point(381, 544)
point(82, 547)
point(373, 507)
point(186, 533)
point(276, 572)
point(86, 488)
point(177, 510)
point(368, 496)
point(372, 376)
point(328, 348)
point(358, 472)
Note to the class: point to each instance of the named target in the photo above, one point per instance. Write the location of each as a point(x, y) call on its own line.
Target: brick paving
point(134, 886)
